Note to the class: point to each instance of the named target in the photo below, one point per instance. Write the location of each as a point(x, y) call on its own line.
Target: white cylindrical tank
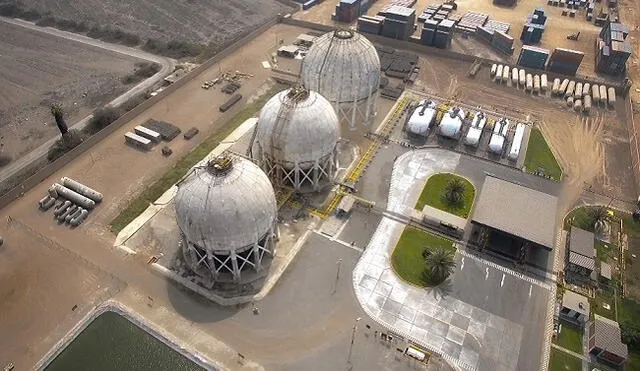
point(611, 94)
point(587, 104)
point(536, 84)
point(603, 94)
point(577, 105)
point(563, 87)
point(505, 74)
point(494, 69)
point(529, 86)
point(578, 92)
point(522, 77)
point(586, 89)
point(79, 219)
point(73, 196)
point(556, 86)
point(81, 188)
point(499, 73)
point(595, 91)
point(514, 76)
point(544, 83)
point(569, 101)
point(571, 88)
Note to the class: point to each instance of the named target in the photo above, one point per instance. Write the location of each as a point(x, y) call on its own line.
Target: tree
point(58, 115)
point(454, 191)
point(599, 216)
point(439, 265)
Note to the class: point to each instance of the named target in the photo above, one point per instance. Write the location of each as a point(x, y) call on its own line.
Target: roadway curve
point(167, 67)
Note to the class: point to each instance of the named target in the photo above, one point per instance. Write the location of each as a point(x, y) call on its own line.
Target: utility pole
point(353, 339)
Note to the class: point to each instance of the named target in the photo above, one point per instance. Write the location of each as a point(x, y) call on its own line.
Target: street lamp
point(335, 284)
point(353, 339)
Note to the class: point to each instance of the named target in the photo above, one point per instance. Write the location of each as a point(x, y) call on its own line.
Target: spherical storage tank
point(296, 140)
point(344, 67)
point(226, 211)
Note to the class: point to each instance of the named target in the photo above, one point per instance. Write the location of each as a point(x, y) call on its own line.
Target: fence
point(58, 164)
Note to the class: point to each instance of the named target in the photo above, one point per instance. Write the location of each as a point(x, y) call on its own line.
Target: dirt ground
point(38, 69)
point(558, 27)
point(199, 21)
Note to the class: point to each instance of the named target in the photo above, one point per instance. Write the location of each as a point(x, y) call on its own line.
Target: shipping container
point(595, 92)
point(586, 89)
point(544, 84)
point(603, 94)
point(516, 144)
point(611, 95)
point(536, 84)
point(578, 92)
point(522, 77)
point(505, 74)
point(229, 103)
point(556, 86)
point(499, 73)
point(514, 76)
point(571, 89)
point(587, 104)
point(529, 85)
point(577, 105)
point(569, 101)
point(563, 87)
point(494, 70)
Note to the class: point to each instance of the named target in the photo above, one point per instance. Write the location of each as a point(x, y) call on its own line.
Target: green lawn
point(605, 296)
point(580, 218)
point(561, 361)
point(407, 259)
point(606, 251)
point(540, 156)
point(633, 364)
point(155, 190)
point(433, 191)
point(570, 337)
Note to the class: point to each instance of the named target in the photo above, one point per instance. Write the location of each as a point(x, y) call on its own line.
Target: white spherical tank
point(344, 67)
point(226, 211)
point(296, 140)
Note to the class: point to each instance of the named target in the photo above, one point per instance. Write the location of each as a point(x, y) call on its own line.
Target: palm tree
point(599, 216)
point(439, 265)
point(454, 191)
point(58, 115)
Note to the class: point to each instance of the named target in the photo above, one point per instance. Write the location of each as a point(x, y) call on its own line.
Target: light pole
point(335, 284)
point(353, 339)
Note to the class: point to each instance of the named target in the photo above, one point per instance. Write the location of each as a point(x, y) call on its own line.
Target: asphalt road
point(167, 67)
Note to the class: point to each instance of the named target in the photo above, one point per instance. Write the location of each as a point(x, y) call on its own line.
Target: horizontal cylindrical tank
point(505, 74)
point(556, 86)
point(586, 89)
point(80, 218)
point(536, 84)
point(595, 92)
point(569, 101)
point(603, 94)
point(82, 189)
point(611, 94)
point(587, 104)
point(577, 105)
point(563, 86)
point(73, 196)
point(72, 211)
point(499, 73)
point(578, 93)
point(529, 82)
point(62, 208)
point(514, 76)
point(74, 215)
point(522, 77)
point(494, 69)
point(544, 82)
point(571, 88)
point(48, 203)
point(69, 210)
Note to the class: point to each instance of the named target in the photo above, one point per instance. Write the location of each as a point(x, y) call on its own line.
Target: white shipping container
point(514, 153)
point(571, 88)
point(595, 90)
point(603, 94)
point(544, 83)
point(499, 73)
point(563, 86)
point(494, 69)
point(536, 84)
point(587, 104)
point(514, 76)
point(556, 86)
point(578, 93)
point(505, 74)
point(612, 96)
point(522, 79)
point(529, 82)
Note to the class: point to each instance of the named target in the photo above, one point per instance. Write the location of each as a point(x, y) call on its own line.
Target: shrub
point(5, 160)
point(146, 70)
point(102, 118)
point(9, 10)
point(63, 145)
point(174, 49)
point(47, 21)
point(29, 15)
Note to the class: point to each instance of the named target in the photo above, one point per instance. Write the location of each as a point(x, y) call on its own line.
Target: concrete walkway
point(167, 67)
point(466, 336)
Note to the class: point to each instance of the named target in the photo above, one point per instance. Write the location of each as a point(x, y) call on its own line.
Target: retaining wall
point(58, 164)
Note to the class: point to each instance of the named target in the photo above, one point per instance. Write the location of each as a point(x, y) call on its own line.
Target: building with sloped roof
point(581, 254)
point(605, 341)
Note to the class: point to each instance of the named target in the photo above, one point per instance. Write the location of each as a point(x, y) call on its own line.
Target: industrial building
point(451, 122)
point(226, 212)
point(512, 219)
point(296, 140)
point(344, 67)
point(422, 118)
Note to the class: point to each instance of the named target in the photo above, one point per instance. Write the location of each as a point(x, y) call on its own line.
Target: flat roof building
point(517, 210)
point(582, 242)
point(605, 271)
point(575, 308)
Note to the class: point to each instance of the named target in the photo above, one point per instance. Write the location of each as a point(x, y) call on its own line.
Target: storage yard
point(288, 223)
point(38, 70)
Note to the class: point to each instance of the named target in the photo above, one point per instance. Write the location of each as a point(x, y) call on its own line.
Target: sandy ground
point(120, 173)
point(199, 21)
point(38, 69)
point(558, 27)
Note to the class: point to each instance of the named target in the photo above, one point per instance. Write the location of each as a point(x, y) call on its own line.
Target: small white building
point(451, 122)
point(422, 118)
point(575, 308)
point(475, 130)
point(500, 130)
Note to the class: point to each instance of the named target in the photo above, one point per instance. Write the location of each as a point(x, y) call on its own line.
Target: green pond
point(113, 343)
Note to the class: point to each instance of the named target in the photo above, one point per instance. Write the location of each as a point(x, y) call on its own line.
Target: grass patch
point(579, 218)
point(606, 251)
point(155, 190)
point(561, 361)
point(407, 259)
point(634, 360)
point(433, 191)
point(605, 296)
point(540, 156)
point(570, 337)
